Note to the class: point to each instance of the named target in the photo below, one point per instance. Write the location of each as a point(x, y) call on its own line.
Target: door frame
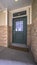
point(12, 30)
point(28, 9)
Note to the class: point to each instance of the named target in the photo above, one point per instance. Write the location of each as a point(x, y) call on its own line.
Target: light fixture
point(16, 0)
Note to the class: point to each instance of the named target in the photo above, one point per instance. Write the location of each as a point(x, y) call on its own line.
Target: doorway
point(19, 30)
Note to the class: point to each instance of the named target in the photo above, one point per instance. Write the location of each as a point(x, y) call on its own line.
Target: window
point(19, 13)
point(19, 26)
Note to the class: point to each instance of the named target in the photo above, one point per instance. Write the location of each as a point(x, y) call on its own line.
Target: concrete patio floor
point(15, 56)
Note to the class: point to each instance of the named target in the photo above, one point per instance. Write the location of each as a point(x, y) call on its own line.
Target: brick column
point(34, 30)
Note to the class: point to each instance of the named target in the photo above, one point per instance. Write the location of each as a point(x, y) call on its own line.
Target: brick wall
point(29, 35)
point(10, 35)
point(3, 28)
point(3, 36)
point(34, 30)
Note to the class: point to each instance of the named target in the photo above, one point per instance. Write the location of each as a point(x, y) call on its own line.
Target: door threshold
point(22, 47)
point(19, 45)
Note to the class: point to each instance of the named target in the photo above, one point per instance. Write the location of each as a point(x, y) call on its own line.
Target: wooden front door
point(19, 30)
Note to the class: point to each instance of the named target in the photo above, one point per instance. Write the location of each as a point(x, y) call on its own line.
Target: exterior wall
point(10, 35)
point(2, 18)
point(29, 35)
point(6, 26)
point(3, 28)
point(10, 29)
point(29, 24)
point(34, 30)
point(3, 36)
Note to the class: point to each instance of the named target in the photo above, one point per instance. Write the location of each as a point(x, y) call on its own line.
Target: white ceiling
point(11, 4)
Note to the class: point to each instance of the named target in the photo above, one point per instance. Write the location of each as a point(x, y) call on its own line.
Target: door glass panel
point(19, 26)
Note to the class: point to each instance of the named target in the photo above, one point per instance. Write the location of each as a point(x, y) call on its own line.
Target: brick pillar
point(34, 30)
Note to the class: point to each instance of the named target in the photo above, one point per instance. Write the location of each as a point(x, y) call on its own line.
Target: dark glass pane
point(19, 26)
point(19, 13)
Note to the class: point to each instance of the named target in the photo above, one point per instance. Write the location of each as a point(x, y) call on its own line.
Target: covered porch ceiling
point(11, 4)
